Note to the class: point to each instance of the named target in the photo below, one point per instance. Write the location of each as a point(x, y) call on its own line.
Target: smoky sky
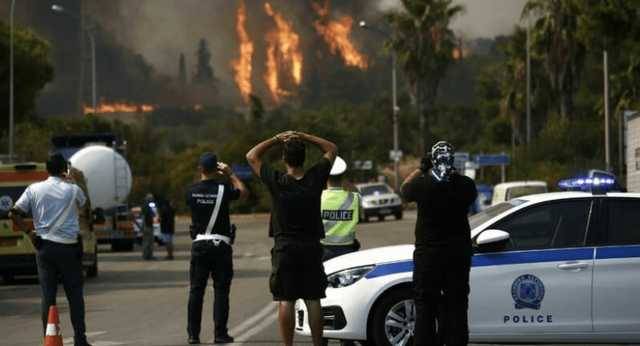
point(481, 19)
point(162, 29)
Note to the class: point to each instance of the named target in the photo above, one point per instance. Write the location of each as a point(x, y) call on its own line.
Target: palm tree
point(555, 39)
point(513, 83)
point(424, 42)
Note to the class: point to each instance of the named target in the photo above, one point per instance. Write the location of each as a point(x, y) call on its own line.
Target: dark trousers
point(209, 260)
point(64, 262)
point(331, 251)
point(441, 287)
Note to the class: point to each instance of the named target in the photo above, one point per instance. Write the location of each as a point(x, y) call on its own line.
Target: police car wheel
point(398, 215)
point(394, 319)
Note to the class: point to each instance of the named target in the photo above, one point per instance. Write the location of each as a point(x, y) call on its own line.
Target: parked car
point(378, 199)
point(550, 268)
point(507, 191)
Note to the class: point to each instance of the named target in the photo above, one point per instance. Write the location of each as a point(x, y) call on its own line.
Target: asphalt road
point(135, 302)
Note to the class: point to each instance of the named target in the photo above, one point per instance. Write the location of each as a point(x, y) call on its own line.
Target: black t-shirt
point(201, 199)
point(295, 212)
point(442, 208)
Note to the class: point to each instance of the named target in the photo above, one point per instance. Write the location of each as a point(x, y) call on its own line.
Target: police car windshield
point(493, 211)
point(374, 190)
point(8, 196)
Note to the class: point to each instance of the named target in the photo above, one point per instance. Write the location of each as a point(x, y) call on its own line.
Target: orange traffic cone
point(52, 336)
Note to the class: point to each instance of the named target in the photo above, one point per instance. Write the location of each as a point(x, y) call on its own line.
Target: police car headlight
point(348, 277)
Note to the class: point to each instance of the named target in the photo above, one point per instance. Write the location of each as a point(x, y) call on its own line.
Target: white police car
point(556, 267)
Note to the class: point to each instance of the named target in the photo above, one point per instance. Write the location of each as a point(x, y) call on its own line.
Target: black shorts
point(297, 271)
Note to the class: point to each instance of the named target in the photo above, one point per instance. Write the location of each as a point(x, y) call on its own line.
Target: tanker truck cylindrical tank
point(108, 175)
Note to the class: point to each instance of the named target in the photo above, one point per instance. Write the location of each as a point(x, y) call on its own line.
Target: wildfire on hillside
point(119, 107)
point(283, 65)
point(243, 65)
point(336, 34)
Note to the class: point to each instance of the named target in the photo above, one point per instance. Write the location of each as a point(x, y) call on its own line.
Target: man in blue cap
point(211, 251)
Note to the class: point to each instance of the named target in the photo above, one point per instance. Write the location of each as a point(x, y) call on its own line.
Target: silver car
point(378, 199)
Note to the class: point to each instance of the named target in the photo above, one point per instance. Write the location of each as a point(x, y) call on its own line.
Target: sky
point(482, 18)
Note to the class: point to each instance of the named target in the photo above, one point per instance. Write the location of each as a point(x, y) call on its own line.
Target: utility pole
point(607, 149)
point(528, 80)
point(11, 96)
point(396, 109)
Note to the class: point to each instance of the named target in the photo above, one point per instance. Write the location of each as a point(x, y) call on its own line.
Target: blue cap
point(208, 161)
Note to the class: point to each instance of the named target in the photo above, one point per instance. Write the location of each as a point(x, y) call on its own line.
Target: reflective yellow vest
point(340, 212)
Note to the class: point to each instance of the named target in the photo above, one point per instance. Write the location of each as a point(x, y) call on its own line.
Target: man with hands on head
point(211, 251)
point(296, 226)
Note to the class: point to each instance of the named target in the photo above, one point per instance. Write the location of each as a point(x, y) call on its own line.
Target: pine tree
point(182, 70)
point(204, 71)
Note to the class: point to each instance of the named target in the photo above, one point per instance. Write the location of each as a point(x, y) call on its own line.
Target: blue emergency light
point(594, 181)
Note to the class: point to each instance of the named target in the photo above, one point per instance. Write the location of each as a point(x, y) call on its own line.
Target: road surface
point(135, 302)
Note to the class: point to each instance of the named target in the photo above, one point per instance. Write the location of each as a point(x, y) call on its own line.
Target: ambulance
point(17, 253)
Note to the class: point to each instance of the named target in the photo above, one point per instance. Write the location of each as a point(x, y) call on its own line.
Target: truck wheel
point(394, 319)
point(8, 279)
point(122, 245)
point(126, 245)
point(380, 218)
point(398, 215)
point(92, 271)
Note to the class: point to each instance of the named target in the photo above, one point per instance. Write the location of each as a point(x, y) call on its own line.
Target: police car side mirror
point(492, 236)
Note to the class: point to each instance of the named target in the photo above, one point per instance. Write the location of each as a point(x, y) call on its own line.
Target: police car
point(557, 267)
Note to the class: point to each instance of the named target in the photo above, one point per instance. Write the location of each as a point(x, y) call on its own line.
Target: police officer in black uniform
point(211, 252)
point(442, 256)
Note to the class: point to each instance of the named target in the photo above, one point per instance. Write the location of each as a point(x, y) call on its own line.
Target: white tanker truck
point(109, 180)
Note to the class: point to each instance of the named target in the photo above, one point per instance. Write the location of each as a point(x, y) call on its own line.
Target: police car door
point(616, 279)
point(540, 282)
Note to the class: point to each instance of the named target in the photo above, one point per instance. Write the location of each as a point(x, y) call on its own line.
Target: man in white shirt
point(53, 205)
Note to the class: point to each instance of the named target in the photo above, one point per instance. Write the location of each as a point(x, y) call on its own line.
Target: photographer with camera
point(211, 251)
point(442, 257)
point(54, 205)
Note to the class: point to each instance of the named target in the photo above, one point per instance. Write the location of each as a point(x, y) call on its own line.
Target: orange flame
point(119, 107)
point(283, 48)
point(242, 66)
point(336, 34)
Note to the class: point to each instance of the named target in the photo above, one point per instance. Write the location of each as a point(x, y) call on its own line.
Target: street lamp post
point(395, 108)
point(92, 41)
point(607, 144)
point(11, 96)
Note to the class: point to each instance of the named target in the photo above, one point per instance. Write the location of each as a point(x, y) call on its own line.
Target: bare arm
point(254, 156)
point(329, 149)
point(404, 189)
point(16, 216)
point(235, 181)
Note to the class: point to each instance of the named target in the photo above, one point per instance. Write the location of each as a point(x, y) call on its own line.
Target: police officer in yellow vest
point(340, 210)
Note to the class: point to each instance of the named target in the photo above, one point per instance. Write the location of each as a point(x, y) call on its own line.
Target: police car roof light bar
point(595, 185)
